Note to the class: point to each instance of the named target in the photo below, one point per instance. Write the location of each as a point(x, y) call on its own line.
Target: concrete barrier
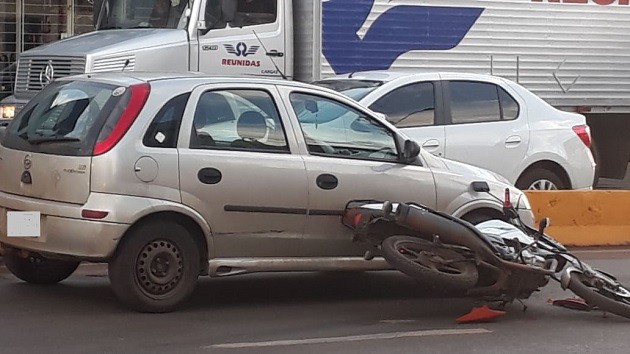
point(585, 218)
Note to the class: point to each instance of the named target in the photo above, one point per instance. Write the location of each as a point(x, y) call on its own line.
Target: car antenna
point(270, 58)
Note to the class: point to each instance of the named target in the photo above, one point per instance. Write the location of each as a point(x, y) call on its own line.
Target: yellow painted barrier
point(585, 218)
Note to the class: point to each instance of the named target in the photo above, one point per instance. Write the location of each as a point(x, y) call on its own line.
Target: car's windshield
point(355, 89)
point(125, 14)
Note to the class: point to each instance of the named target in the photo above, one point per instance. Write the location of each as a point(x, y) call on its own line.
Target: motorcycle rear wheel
point(603, 299)
point(429, 263)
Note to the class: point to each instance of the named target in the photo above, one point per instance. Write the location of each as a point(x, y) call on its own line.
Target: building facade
point(25, 24)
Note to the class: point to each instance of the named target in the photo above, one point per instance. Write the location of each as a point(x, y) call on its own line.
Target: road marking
point(358, 338)
point(397, 321)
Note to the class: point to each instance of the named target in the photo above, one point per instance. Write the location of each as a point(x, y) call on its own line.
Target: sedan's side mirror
point(411, 150)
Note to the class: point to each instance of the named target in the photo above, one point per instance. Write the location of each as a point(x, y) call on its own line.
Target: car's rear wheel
point(156, 267)
point(540, 179)
point(33, 268)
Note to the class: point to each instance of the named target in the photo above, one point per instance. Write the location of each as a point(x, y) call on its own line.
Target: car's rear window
point(65, 118)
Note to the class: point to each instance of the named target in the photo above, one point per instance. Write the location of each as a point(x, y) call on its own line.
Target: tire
point(604, 301)
point(38, 270)
point(540, 179)
point(402, 253)
point(156, 267)
point(477, 217)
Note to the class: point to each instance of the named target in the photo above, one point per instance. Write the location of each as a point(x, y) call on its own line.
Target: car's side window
point(332, 128)
point(408, 106)
point(238, 120)
point(509, 107)
point(475, 102)
point(164, 129)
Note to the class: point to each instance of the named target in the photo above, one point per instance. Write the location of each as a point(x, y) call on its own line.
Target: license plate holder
point(24, 224)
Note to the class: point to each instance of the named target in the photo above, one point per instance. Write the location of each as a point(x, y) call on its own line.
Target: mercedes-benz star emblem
point(27, 162)
point(47, 74)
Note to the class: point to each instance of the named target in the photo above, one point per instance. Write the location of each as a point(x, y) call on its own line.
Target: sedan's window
point(509, 106)
point(473, 102)
point(238, 120)
point(164, 128)
point(333, 129)
point(408, 106)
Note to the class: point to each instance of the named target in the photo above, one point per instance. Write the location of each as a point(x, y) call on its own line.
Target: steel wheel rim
point(428, 259)
point(543, 185)
point(159, 268)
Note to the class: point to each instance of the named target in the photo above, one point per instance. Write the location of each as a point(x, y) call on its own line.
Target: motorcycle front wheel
point(429, 263)
point(615, 301)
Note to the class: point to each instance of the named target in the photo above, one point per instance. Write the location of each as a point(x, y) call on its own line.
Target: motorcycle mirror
point(544, 223)
point(480, 186)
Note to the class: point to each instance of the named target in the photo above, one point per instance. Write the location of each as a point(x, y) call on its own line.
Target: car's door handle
point(513, 141)
point(327, 181)
point(431, 145)
point(209, 175)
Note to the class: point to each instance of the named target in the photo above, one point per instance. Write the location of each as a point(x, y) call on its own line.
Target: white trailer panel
point(569, 52)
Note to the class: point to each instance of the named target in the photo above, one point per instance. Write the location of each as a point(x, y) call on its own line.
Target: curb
point(584, 218)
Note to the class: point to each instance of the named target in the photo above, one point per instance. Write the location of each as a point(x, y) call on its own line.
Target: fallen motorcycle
point(495, 261)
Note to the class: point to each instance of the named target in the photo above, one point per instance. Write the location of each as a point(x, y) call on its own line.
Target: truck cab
point(246, 37)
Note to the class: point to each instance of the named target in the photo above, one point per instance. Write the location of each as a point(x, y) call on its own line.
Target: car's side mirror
point(411, 150)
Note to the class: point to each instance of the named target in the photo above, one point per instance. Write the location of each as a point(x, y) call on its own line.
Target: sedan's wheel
point(540, 179)
point(156, 267)
point(36, 269)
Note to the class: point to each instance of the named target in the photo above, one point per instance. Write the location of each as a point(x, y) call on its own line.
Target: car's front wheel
point(35, 269)
point(156, 267)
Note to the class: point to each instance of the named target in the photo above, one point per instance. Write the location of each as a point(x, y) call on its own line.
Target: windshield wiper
point(52, 139)
point(109, 28)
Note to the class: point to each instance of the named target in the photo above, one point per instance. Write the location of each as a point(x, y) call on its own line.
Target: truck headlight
point(7, 111)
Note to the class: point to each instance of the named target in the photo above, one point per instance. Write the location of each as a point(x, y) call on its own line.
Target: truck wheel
point(540, 179)
point(38, 270)
point(156, 267)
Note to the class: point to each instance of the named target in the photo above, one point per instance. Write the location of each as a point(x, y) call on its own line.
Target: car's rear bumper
point(63, 231)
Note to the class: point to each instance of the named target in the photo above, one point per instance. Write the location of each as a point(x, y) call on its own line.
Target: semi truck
point(575, 54)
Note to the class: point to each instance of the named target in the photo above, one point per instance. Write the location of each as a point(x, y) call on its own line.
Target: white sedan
point(481, 120)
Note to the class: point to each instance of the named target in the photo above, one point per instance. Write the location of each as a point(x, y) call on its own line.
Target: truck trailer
point(575, 54)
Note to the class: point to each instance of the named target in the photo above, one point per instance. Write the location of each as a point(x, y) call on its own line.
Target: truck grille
point(33, 73)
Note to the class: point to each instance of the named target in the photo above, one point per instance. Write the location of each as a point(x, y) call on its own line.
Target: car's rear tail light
point(139, 94)
point(94, 214)
point(584, 133)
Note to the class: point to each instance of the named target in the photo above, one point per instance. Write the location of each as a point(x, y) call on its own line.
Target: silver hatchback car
point(167, 177)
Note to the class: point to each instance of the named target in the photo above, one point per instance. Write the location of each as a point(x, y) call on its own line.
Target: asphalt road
point(298, 313)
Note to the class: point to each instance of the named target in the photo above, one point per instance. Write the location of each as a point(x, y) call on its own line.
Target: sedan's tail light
point(584, 132)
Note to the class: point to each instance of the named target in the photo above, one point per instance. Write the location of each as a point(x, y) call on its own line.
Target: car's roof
point(388, 76)
point(131, 76)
